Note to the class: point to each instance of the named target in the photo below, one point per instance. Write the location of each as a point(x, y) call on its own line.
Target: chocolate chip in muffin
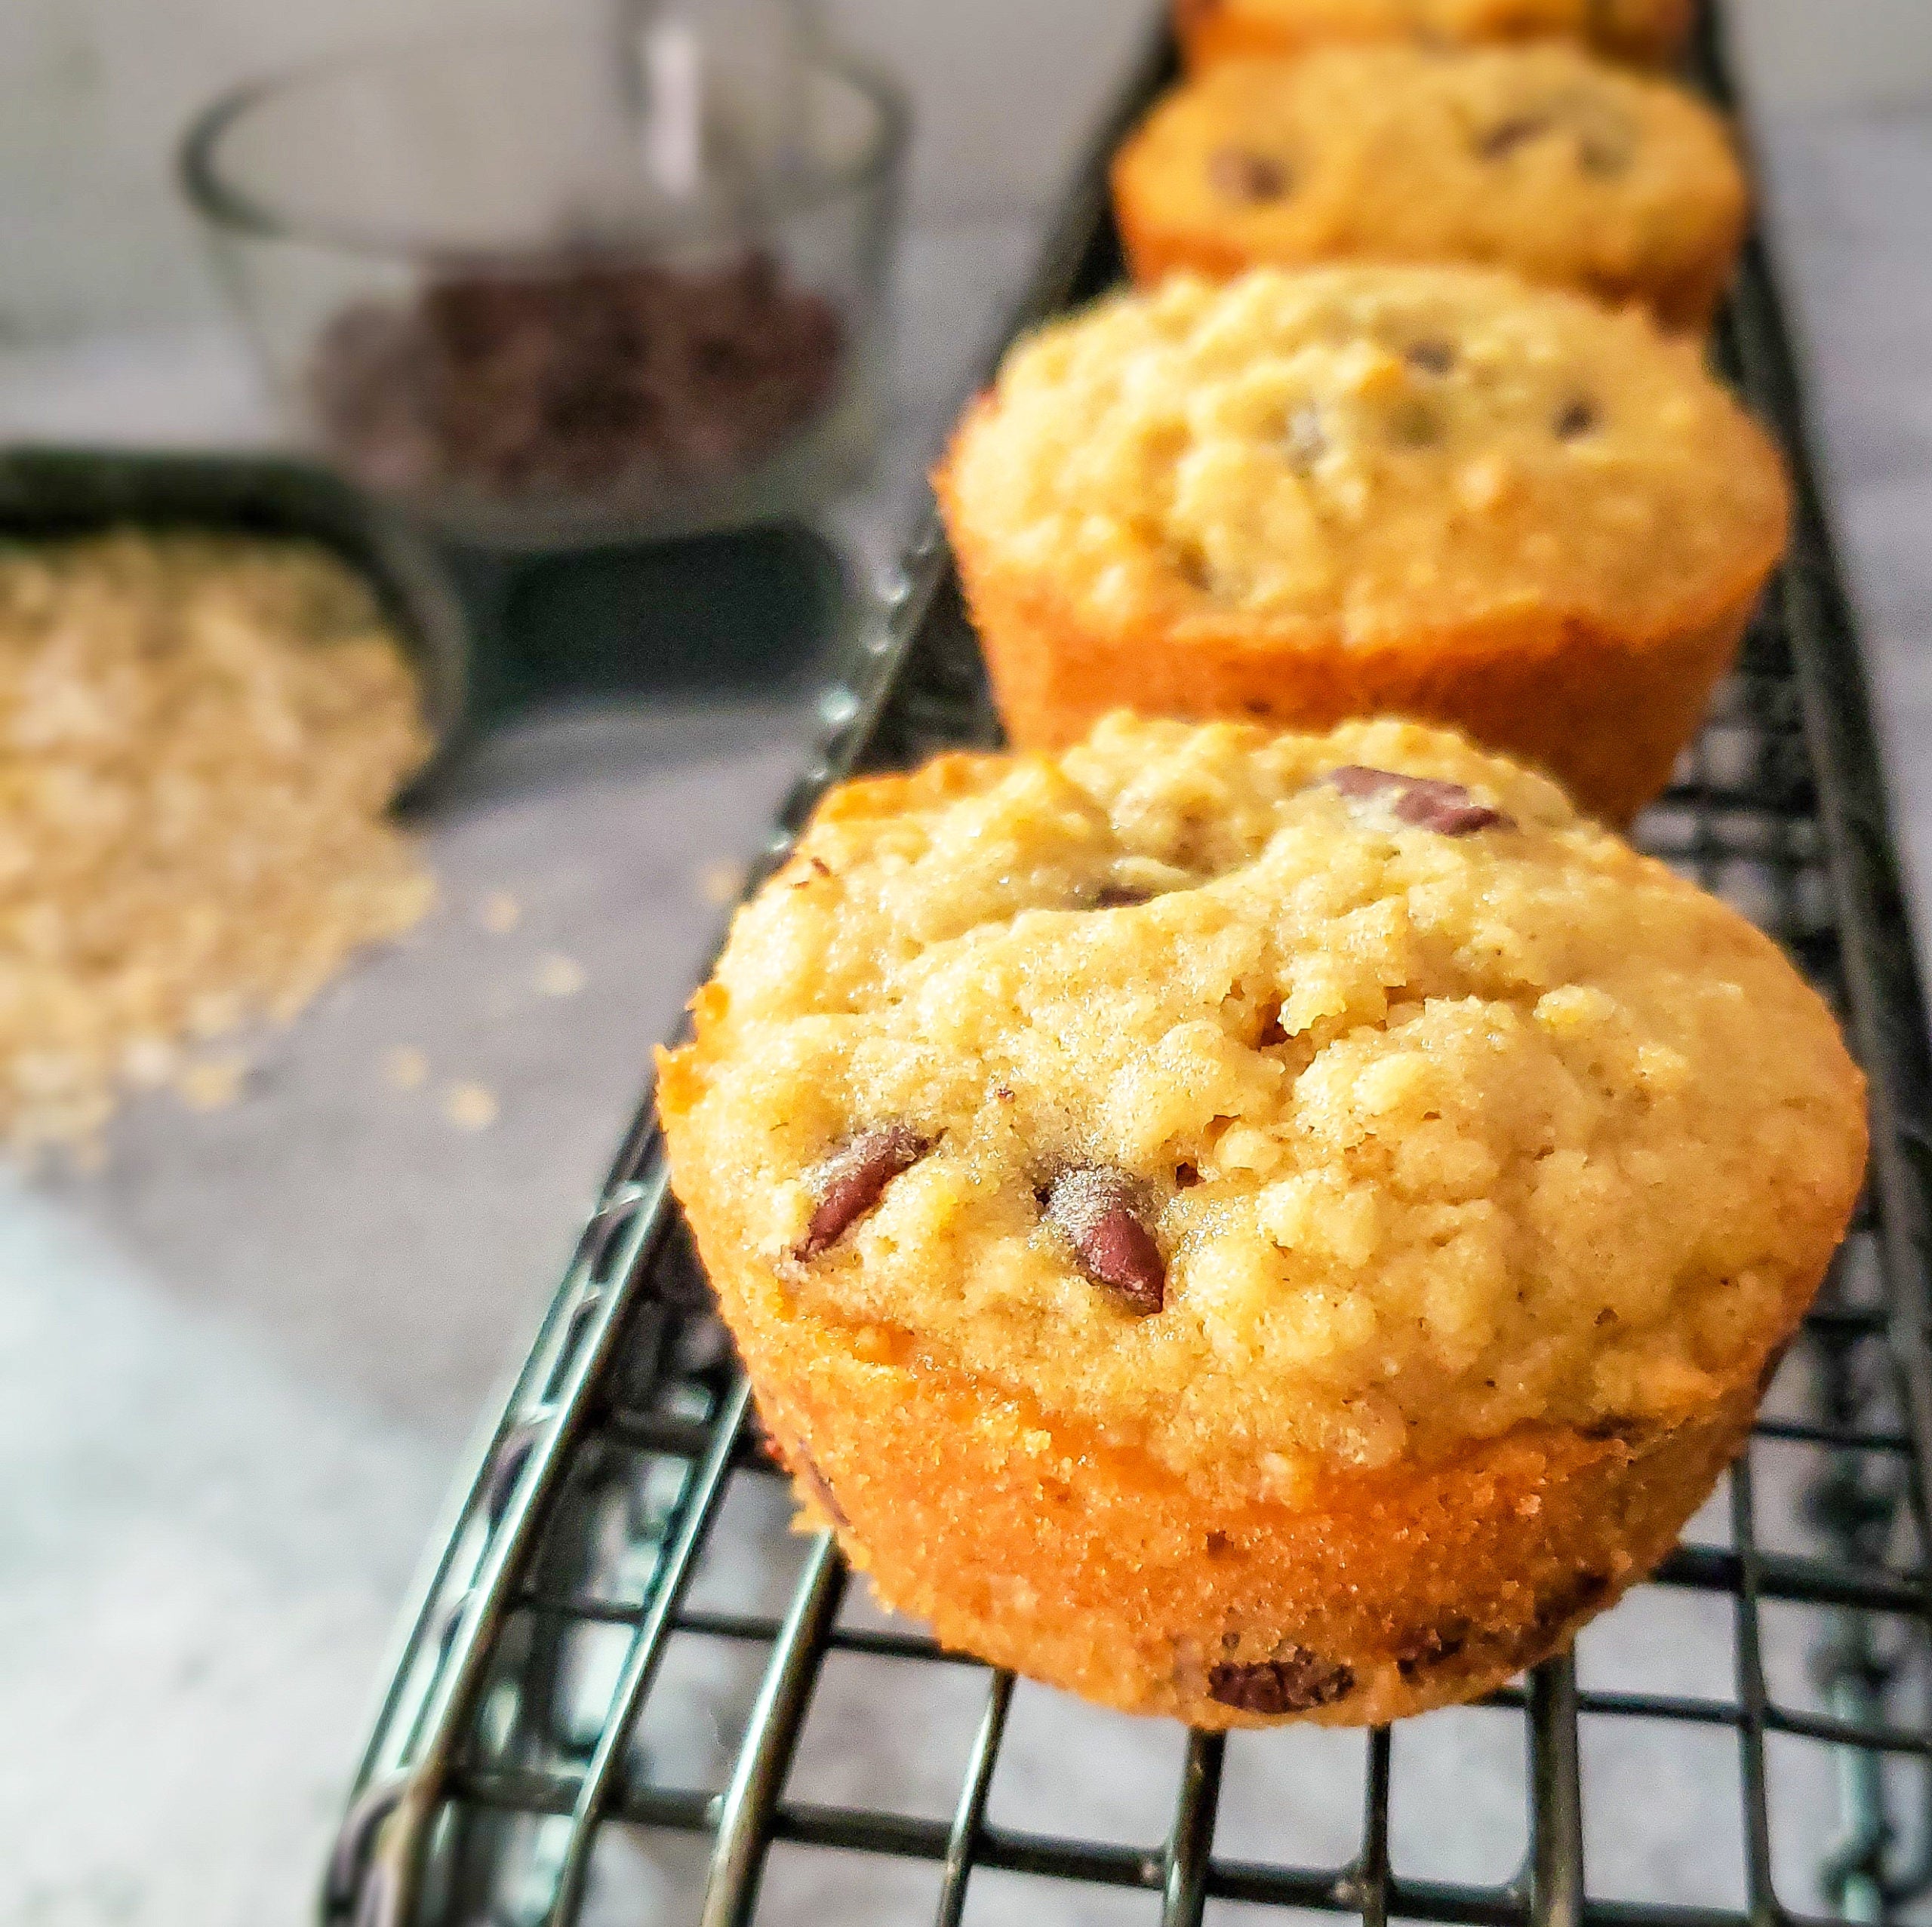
point(1097, 1211)
point(1447, 808)
point(1417, 425)
point(1584, 1594)
point(1435, 1646)
point(1294, 1683)
point(1428, 803)
point(1119, 896)
point(1242, 174)
point(1356, 780)
point(1502, 140)
point(852, 1180)
point(1576, 419)
point(1603, 157)
point(1432, 357)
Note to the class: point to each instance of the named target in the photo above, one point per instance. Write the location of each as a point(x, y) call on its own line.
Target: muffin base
point(1683, 302)
point(1608, 714)
point(1210, 31)
point(1032, 1543)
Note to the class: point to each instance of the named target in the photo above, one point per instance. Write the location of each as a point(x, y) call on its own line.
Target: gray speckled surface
point(235, 1367)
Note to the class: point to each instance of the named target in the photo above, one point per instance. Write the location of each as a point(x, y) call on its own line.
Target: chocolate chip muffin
point(1538, 159)
point(1649, 32)
point(1246, 1226)
point(1352, 491)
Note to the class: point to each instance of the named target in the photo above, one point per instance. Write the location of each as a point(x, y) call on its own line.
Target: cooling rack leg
point(971, 1815)
point(1185, 1885)
point(744, 1827)
point(1373, 1899)
point(1556, 1797)
point(1857, 1514)
point(701, 1501)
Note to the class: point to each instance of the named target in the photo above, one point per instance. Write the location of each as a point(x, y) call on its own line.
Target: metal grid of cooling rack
point(593, 1604)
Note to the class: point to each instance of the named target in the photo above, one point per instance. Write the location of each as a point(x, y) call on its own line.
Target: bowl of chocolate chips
point(550, 288)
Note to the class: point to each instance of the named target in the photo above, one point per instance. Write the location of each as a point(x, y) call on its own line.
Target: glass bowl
point(545, 289)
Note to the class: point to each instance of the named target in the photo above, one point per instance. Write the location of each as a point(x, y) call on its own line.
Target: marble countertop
point(236, 1364)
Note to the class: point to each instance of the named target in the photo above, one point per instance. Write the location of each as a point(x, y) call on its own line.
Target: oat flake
point(199, 737)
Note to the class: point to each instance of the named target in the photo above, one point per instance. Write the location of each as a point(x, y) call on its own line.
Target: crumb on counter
point(501, 913)
point(558, 975)
point(470, 1106)
point(721, 882)
point(405, 1067)
point(212, 1084)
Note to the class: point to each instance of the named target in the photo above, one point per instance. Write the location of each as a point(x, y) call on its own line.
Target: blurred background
point(237, 1360)
point(93, 93)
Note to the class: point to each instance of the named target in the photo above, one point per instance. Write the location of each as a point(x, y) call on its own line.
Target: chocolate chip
point(1605, 159)
point(1417, 425)
point(1355, 780)
point(1448, 809)
point(1243, 175)
point(576, 371)
point(1117, 896)
point(1578, 418)
point(1555, 1610)
point(1504, 138)
point(1191, 567)
point(1096, 1210)
point(1294, 1684)
point(1436, 1646)
point(1426, 802)
point(851, 1181)
point(1432, 357)
point(1307, 443)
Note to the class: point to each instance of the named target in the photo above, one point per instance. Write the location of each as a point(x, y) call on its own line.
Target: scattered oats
point(470, 1106)
point(214, 1014)
point(212, 1084)
point(148, 1062)
point(721, 882)
point(558, 976)
point(199, 737)
point(501, 913)
point(406, 1067)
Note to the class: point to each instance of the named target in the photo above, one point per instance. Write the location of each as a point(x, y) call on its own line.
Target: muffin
point(1651, 31)
point(1539, 159)
point(1351, 491)
point(1249, 1226)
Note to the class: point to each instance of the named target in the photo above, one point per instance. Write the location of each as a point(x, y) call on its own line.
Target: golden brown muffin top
point(1537, 158)
point(1316, 1100)
point(1372, 450)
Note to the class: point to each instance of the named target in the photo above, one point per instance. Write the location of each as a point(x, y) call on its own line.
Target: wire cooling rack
point(624, 1692)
